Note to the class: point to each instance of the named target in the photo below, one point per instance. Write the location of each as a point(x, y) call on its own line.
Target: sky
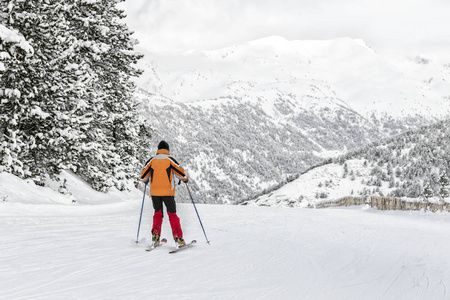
point(181, 25)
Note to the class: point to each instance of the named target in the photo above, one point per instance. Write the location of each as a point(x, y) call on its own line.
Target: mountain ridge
point(355, 73)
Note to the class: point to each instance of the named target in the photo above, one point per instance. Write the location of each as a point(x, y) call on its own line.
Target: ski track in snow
point(255, 253)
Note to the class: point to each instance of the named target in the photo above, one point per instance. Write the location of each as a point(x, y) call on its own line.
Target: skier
point(162, 171)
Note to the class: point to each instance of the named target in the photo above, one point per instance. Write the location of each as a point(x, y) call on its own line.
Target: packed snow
point(53, 248)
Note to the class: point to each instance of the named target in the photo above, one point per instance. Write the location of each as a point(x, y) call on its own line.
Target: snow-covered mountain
point(402, 166)
point(247, 117)
point(345, 70)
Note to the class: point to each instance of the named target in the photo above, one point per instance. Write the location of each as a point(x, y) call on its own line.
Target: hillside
point(234, 148)
point(401, 166)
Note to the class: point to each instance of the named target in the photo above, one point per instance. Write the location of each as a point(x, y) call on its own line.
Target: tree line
point(415, 164)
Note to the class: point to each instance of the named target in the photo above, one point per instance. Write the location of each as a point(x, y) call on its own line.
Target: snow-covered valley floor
point(51, 251)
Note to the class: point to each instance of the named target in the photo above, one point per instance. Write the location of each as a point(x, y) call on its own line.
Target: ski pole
point(140, 218)
point(187, 186)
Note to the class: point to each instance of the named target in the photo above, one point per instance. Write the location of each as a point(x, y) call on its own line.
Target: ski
point(183, 247)
point(153, 247)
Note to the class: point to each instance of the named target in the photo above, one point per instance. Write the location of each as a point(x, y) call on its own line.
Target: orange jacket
point(160, 170)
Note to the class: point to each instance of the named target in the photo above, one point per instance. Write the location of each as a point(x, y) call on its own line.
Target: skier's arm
point(145, 173)
point(178, 170)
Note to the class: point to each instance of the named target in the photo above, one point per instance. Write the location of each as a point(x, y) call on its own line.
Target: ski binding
point(153, 247)
point(183, 247)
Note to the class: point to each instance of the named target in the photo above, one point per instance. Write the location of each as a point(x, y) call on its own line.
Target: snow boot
point(180, 242)
point(155, 239)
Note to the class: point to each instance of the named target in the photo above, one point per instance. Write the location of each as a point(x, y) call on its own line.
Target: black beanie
point(163, 145)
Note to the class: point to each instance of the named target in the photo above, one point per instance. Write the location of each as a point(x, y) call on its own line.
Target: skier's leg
point(176, 226)
point(157, 216)
point(174, 220)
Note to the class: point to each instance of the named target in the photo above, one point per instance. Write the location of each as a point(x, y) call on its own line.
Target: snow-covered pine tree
point(443, 183)
point(47, 121)
point(124, 125)
point(13, 142)
point(80, 113)
point(427, 192)
point(105, 49)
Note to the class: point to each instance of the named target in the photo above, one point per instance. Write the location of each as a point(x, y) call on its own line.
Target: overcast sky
point(178, 25)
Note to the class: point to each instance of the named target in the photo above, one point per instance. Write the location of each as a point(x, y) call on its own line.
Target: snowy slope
point(323, 183)
point(80, 251)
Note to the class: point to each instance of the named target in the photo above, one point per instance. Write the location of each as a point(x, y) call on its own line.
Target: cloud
point(173, 25)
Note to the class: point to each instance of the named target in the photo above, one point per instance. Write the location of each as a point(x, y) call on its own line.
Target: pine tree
point(105, 48)
point(13, 142)
point(443, 190)
point(391, 181)
point(427, 192)
point(76, 111)
point(345, 170)
point(46, 121)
